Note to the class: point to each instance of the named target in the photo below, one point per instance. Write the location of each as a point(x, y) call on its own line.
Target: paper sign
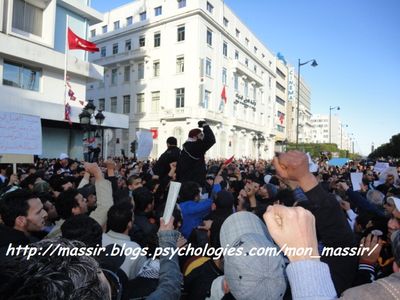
point(356, 180)
point(145, 144)
point(173, 193)
point(20, 134)
point(386, 172)
point(380, 167)
point(312, 167)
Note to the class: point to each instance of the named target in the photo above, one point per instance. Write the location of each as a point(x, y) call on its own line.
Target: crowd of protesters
point(118, 203)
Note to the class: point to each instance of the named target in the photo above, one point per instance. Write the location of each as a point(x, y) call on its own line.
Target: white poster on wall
point(20, 134)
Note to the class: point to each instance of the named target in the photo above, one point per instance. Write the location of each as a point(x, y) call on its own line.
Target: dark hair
point(142, 197)
point(132, 178)
point(84, 229)
point(15, 204)
point(66, 202)
point(189, 190)
point(396, 246)
point(119, 215)
point(172, 141)
point(30, 180)
point(286, 197)
point(49, 277)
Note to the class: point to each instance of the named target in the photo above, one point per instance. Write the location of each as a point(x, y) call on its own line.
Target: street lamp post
point(341, 134)
point(259, 139)
point(85, 118)
point(330, 117)
point(313, 64)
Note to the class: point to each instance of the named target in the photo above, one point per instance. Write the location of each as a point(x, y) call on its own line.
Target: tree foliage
point(391, 149)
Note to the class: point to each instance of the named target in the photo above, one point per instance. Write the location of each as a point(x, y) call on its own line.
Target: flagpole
point(66, 60)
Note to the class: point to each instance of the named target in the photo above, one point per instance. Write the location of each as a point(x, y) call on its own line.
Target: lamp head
point(314, 63)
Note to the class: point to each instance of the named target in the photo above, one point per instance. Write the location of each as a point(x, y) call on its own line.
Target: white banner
point(145, 144)
point(20, 134)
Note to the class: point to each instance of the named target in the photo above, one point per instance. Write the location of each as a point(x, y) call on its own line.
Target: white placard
point(386, 172)
point(20, 134)
point(173, 193)
point(145, 144)
point(356, 180)
point(380, 167)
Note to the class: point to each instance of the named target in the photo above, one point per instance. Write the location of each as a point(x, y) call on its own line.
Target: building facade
point(339, 135)
point(303, 132)
point(170, 64)
point(281, 101)
point(32, 56)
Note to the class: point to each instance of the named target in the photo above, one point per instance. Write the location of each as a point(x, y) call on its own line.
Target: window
point(225, 49)
point(114, 73)
point(27, 17)
point(247, 41)
point(180, 64)
point(236, 54)
point(102, 104)
point(254, 93)
point(255, 49)
point(158, 11)
point(128, 45)
point(21, 76)
point(209, 37)
point(115, 48)
point(208, 67)
point(255, 68)
point(280, 101)
point(181, 33)
point(237, 33)
point(139, 103)
point(224, 76)
point(236, 81)
point(246, 62)
point(155, 101)
point(143, 16)
point(127, 73)
point(210, 7)
point(116, 25)
point(280, 73)
point(104, 29)
point(127, 105)
point(142, 41)
point(156, 68)
point(113, 104)
point(93, 33)
point(140, 71)
point(246, 89)
point(180, 97)
point(226, 22)
point(157, 39)
point(103, 51)
point(280, 128)
point(206, 101)
point(129, 21)
point(280, 87)
point(181, 3)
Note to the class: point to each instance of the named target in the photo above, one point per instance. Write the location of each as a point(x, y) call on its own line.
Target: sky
point(356, 44)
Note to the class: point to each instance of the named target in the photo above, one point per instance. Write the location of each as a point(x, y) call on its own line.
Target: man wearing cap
point(162, 166)
point(251, 276)
point(191, 164)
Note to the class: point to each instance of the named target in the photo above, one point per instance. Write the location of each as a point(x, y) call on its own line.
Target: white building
point(304, 112)
point(281, 102)
point(339, 135)
point(32, 47)
point(166, 65)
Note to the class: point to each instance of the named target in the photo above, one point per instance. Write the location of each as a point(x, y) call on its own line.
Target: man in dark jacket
point(162, 167)
point(191, 164)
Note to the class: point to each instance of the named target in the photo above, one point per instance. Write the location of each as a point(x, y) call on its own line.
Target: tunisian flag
point(75, 42)
point(223, 95)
